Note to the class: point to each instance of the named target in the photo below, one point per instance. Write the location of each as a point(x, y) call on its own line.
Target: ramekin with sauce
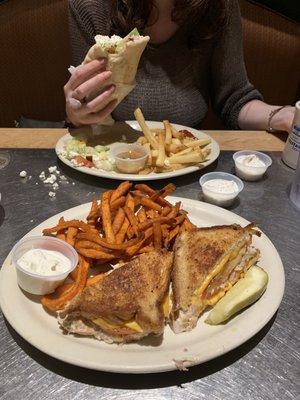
point(251, 165)
point(130, 158)
point(220, 188)
point(43, 263)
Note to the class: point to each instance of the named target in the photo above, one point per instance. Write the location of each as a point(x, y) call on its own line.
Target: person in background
point(194, 58)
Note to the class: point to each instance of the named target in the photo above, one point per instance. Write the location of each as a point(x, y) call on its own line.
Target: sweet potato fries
point(125, 222)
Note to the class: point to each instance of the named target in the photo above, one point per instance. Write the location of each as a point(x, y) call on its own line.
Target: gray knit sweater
point(175, 82)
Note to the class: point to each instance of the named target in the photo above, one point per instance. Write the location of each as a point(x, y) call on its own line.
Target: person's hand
point(282, 121)
point(83, 82)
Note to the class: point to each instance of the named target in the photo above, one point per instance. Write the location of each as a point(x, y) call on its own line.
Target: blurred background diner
point(36, 54)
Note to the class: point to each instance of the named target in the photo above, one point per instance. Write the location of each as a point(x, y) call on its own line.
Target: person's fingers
point(95, 118)
point(95, 105)
point(100, 101)
point(74, 104)
point(90, 85)
point(83, 117)
point(85, 71)
point(94, 111)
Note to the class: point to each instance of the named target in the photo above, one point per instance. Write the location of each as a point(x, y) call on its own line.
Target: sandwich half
point(126, 305)
point(207, 263)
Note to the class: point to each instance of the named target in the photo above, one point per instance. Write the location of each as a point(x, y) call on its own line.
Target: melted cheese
point(235, 253)
point(104, 324)
point(166, 305)
point(214, 299)
point(196, 298)
point(134, 326)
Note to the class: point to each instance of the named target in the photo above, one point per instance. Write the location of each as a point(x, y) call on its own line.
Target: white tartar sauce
point(250, 167)
point(221, 186)
point(250, 160)
point(221, 192)
point(44, 262)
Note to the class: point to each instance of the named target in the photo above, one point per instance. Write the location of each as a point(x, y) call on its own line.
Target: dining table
point(264, 367)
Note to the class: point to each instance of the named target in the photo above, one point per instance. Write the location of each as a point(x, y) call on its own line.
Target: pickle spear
point(245, 292)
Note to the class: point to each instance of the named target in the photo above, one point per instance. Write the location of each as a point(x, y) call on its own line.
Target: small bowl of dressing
point(251, 165)
point(220, 188)
point(43, 263)
point(130, 158)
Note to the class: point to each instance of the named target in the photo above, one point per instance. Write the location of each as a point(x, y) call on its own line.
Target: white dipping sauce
point(44, 262)
point(221, 186)
point(220, 191)
point(250, 167)
point(250, 160)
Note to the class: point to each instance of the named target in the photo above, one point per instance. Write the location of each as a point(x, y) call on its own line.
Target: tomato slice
point(81, 161)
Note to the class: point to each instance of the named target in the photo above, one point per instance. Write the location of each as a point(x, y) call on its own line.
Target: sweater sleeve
point(87, 18)
point(231, 89)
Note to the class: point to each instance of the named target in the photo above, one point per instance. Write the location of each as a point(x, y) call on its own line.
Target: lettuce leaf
point(134, 32)
point(121, 43)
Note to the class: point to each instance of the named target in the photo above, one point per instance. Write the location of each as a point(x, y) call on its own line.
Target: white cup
point(33, 282)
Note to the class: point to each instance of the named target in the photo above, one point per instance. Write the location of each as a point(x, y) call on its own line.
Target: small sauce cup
point(130, 158)
point(36, 283)
point(250, 172)
point(218, 197)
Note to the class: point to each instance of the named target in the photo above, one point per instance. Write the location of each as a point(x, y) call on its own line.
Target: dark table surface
point(265, 367)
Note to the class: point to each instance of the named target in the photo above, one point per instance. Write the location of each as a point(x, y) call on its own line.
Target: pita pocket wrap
point(123, 56)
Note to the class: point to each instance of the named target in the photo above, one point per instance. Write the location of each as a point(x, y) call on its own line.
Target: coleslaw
point(81, 155)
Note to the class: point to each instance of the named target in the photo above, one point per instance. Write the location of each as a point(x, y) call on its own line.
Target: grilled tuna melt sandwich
point(126, 305)
point(207, 263)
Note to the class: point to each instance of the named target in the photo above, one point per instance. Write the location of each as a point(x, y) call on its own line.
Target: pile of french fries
point(170, 149)
point(124, 223)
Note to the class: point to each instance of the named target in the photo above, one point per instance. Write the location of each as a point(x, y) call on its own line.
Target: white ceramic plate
point(215, 151)
point(203, 343)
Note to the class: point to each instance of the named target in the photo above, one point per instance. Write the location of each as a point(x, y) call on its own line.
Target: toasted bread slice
point(201, 256)
point(127, 304)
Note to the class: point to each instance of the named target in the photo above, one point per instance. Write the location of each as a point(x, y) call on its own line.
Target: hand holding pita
point(84, 81)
